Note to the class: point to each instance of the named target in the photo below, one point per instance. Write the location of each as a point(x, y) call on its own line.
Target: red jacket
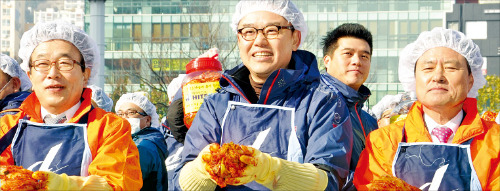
point(114, 155)
point(376, 160)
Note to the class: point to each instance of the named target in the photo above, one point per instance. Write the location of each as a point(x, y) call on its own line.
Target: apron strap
point(403, 139)
point(6, 140)
point(84, 119)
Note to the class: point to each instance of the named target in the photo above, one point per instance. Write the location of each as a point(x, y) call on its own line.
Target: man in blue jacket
point(298, 130)
point(14, 85)
point(143, 119)
point(347, 54)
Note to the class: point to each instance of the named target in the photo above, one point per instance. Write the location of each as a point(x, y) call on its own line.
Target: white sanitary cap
point(389, 102)
point(12, 68)
point(440, 37)
point(60, 30)
point(285, 8)
point(143, 102)
point(100, 98)
point(174, 86)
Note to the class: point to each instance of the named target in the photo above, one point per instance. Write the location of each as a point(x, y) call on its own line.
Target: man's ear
point(86, 75)
point(296, 37)
point(326, 60)
point(471, 81)
point(16, 82)
point(149, 121)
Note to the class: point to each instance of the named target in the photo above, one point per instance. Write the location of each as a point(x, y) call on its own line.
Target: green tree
point(489, 95)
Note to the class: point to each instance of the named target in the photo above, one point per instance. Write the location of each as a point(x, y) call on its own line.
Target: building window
point(476, 29)
point(137, 31)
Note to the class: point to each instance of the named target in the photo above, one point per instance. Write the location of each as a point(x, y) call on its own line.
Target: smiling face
point(350, 61)
point(58, 90)
point(442, 79)
point(263, 56)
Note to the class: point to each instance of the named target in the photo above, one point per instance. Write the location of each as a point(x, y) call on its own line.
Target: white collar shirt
point(453, 124)
point(69, 113)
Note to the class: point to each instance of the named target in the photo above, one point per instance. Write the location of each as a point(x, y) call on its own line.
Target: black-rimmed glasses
point(269, 32)
point(130, 113)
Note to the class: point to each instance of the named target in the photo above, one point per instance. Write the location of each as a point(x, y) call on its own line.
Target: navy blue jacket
point(362, 122)
point(12, 101)
point(295, 118)
point(152, 154)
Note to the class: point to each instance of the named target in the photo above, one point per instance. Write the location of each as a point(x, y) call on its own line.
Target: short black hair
point(355, 30)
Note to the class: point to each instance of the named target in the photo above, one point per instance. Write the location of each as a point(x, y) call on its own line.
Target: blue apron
point(269, 128)
point(432, 166)
point(59, 148)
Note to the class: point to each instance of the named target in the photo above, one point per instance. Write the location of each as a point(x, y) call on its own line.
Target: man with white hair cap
point(58, 133)
point(298, 130)
point(443, 144)
point(142, 116)
point(14, 85)
point(100, 99)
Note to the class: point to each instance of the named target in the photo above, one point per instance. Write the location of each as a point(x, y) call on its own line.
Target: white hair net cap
point(139, 99)
point(12, 68)
point(285, 8)
point(174, 86)
point(440, 37)
point(101, 99)
point(62, 30)
point(389, 102)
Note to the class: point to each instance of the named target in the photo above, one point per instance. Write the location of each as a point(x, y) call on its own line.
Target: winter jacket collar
point(13, 100)
point(280, 82)
point(153, 135)
point(471, 125)
point(31, 106)
point(352, 96)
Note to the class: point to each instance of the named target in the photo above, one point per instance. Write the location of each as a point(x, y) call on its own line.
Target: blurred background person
point(142, 116)
point(390, 106)
point(15, 85)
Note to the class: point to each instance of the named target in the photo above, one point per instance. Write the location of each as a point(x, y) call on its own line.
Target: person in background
point(387, 108)
point(142, 116)
point(62, 137)
point(347, 54)
point(443, 144)
point(175, 113)
point(100, 99)
point(14, 85)
point(298, 130)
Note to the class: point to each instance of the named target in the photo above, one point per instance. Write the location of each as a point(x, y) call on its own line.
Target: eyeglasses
point(61, 64)
point(131, 113)
point(269, 32)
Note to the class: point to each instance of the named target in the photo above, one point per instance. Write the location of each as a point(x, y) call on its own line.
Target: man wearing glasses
point(142, 116)
point(298, 130)
point(58, 133)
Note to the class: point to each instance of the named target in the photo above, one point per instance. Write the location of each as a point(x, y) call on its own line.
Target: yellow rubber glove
point(279, 174)
point(193, 175)
point(55, 181)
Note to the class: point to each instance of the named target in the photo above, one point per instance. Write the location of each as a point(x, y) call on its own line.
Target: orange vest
point(114, 155)
point(381, 145)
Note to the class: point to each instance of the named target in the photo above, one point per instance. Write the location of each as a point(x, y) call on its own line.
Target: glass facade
point(152, 37)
